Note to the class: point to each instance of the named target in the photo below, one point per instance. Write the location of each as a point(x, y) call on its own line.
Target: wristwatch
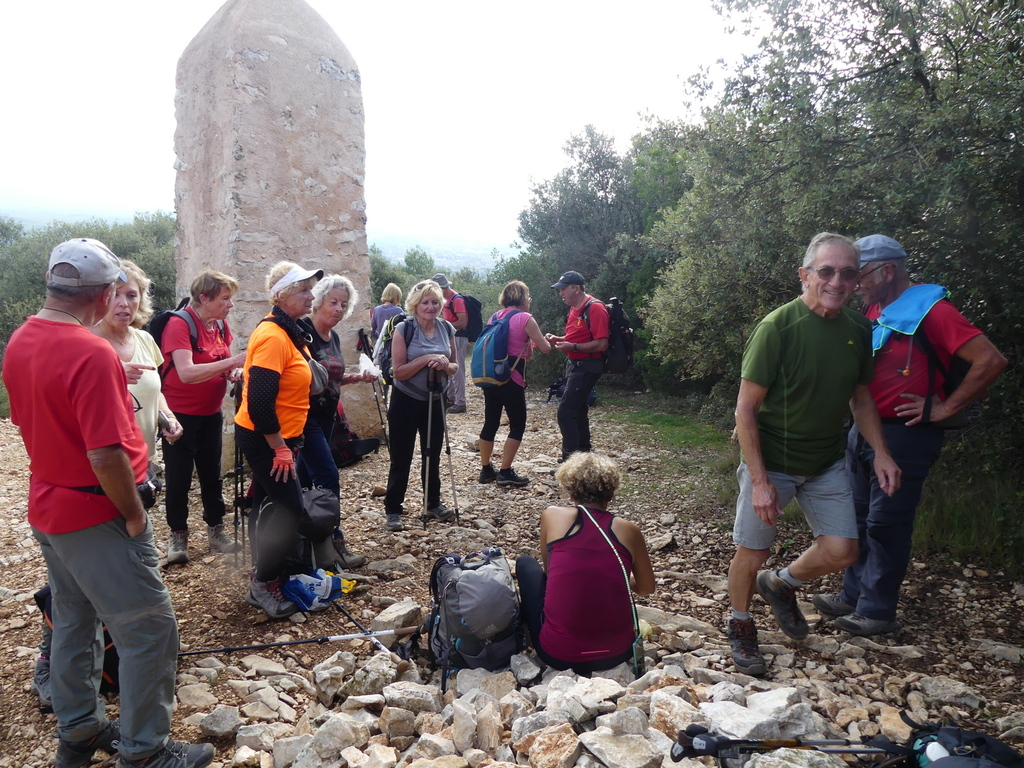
point(575, 347)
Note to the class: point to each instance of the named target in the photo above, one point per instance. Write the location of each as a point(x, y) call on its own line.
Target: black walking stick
point(402, 632)
point(697, 741)
point(366, 348)
point(451, 465)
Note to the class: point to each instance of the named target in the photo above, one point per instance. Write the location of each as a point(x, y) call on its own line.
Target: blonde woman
point(139, 353)
point(422, 367)
point(390, 305)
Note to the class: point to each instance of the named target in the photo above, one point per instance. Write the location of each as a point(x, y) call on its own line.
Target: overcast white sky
point(467, 103)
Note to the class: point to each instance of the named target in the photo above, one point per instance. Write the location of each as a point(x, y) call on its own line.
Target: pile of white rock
point(383, 713)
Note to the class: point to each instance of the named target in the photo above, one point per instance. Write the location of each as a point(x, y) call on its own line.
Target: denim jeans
point(885, 524)
point(316, 464)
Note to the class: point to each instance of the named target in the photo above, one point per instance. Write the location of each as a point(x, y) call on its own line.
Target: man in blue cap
point(916, 334)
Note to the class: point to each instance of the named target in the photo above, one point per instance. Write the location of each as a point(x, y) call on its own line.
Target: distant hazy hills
point(450, 252)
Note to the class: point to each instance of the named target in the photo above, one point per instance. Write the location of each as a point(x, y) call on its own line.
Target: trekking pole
point(366, 348)
point(697, 741)
point(320, 640)
point(451, 466)
point(431, 394)
point(366, 633)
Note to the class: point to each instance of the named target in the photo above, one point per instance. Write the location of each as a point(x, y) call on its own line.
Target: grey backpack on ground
point(474, 620)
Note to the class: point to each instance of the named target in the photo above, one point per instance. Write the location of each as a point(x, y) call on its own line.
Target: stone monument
point(270, 161)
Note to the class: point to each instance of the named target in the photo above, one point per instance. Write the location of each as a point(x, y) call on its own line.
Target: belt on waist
point(95, 490)
point(895, 420)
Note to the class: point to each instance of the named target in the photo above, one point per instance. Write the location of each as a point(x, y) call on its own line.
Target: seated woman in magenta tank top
point(578, 607)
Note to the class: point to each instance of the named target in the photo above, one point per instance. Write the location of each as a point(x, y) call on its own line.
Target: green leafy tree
point(419, 264)
point(384, 271)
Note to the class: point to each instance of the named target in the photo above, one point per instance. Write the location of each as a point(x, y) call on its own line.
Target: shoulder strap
point(585, 312)
point(923, 343)
point(625, 575)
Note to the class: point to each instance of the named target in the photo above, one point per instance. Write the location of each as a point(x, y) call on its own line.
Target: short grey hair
point(77, 294)
point(899, 267)
point(827, 238)
point(331, 282)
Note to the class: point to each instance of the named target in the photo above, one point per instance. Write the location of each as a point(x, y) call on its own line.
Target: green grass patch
point(661, 420)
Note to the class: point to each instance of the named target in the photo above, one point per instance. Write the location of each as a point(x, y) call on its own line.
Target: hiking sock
point(741, 615)
point(788, 577)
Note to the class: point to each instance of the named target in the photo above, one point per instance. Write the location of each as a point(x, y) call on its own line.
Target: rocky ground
point(958, 654)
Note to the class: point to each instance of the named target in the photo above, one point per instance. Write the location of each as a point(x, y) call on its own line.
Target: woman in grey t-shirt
point(423, 357)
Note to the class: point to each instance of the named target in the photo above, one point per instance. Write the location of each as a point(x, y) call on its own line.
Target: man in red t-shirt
point(585, 343)
point(87, 456)
point(901, 388)
point(455, 312)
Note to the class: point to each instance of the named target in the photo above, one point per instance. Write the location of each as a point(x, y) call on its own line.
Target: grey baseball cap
point(96, 264)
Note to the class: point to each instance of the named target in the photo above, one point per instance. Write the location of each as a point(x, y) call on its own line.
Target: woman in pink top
point(524, 336)
point(578, 608)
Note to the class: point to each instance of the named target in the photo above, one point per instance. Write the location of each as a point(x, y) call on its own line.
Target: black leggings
point(512, 398)
point(532, 583)
point(279, 522)
point(407, 418)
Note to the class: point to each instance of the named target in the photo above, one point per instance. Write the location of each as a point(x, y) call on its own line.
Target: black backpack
point(954, 747)
point(156, 325)
point(475, 310)
point(110, 681)
point(619, 357)
point(952, 379)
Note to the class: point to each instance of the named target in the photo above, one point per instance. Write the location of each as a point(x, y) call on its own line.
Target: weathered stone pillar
point(270, 159)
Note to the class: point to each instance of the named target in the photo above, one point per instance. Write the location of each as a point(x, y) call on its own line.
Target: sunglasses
point(870, 271)
point(847, 274)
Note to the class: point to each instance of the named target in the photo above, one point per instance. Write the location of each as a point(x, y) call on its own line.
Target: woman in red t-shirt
point(195, 379)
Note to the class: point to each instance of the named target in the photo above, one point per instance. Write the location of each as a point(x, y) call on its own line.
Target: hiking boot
point(74, 754)
point(781, 596)
point(220, 541)
point(41, 681)
point(175, 754)
point(746, 653)
point(862, 626)
point(831, 604)
point(487, 474)
point(441, 513)
point(457, 409)
point(394, 522)
point(347, 559)
point(177, 548)
point(509, 477)
point(267, 595)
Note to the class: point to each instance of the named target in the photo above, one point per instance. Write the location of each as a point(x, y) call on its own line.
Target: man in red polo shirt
point(87, 458)
point(585, 343)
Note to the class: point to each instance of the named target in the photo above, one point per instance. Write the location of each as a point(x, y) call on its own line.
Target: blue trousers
point(99, 574)
point(885, 524)
point(315, 463)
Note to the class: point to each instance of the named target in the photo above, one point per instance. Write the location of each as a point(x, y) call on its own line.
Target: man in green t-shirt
point(806, 367)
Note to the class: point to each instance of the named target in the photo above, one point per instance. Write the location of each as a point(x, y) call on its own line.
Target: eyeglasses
point(870, 271)
point(847, 274)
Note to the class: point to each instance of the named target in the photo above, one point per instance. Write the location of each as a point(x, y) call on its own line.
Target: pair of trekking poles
point(697, 741)
point(435, 386)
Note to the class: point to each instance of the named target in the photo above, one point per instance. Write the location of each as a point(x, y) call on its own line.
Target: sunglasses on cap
point(847, 274)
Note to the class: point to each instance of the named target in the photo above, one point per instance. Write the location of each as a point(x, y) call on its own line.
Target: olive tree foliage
point(900, 117)
point(148, 240)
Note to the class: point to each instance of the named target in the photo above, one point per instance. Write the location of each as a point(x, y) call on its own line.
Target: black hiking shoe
point(862, 626)
point(441, 513)
point(175, 754)
point(831, 604)
point(509, 477)
point(487, 474)
point(746, 653)
point(781, 596)
point(74, 754)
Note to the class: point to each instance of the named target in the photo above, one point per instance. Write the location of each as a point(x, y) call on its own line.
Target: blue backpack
point(490, 366)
